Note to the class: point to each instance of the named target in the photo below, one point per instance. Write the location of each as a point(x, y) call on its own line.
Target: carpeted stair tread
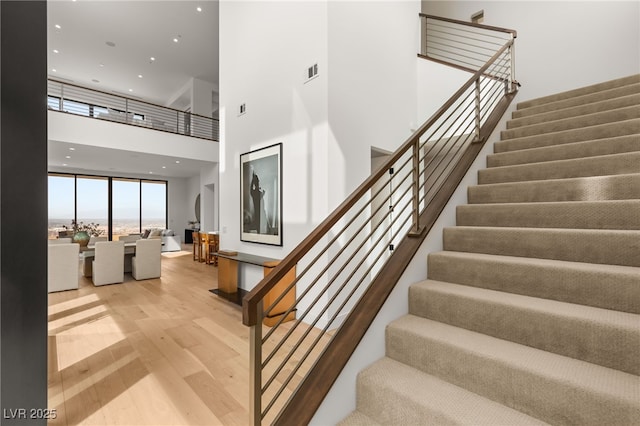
point(613, 247)
point(604, 286)
point(357, 418)
point(576, 111)
point(581, 91)
point(623, 214)
point(560, 105)
point(551, 387)
point(606, 146)
point(600, 131)
point(600, 336)
point(614, 187)
point(393, 393)
point(602, 165)
point(597, 118)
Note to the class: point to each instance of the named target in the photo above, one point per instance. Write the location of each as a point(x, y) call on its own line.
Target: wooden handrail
point(251, 299)
point(514, 33)
point(308, 397)
point(380, 272)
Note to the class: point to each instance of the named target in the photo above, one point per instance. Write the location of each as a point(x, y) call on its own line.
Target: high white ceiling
point(138, 31)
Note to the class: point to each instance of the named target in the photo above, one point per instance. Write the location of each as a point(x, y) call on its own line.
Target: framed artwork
point(261, 195)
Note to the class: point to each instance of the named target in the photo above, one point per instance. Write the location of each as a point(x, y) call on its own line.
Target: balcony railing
point(86, 102)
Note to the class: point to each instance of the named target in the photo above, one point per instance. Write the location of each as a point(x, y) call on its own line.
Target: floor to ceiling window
point(126, 207)
point(120, 206)
point(92, 201)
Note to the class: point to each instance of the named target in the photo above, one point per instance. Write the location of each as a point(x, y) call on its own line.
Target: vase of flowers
point(82, 232)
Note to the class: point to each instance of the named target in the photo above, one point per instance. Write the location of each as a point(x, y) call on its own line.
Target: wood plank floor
point(155, 352)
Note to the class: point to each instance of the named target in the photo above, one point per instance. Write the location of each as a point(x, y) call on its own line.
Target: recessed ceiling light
point(54, 70)
point(177, 161)
point(131, 90)
point(152, 59)
point(56, 51)
point(139, 75)
point(64, 164)
point(164, 167)
point(150, 173)
point(72, 149)
point(58, 26)
point(110, 44)
point(199, 9)
point(67, 156)
point(175, 39)
point(101, 65)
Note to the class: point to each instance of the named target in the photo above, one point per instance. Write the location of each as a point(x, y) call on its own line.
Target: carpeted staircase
point(531, 314)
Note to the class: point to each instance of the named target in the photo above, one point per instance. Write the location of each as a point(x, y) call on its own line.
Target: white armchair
point(108, 266)
point(62, 266)
point(146, 263)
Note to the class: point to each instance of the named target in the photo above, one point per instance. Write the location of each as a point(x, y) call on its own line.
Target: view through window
point(136, 204)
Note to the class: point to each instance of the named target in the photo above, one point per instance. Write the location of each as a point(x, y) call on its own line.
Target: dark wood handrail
point(514, 33)
point(309, 395)
point(130, 99)
point(251, 299)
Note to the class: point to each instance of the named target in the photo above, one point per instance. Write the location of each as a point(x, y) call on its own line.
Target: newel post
point(255, 369)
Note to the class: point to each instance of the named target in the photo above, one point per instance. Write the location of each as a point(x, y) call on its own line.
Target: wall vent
point(478, 17)
point(311, 73)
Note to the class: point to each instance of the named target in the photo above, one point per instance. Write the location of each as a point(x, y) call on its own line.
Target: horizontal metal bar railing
point(340, 259)
point(78, 100)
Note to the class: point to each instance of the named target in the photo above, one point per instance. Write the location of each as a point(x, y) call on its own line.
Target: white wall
point(561, 45)
point(372, 85)
point(363, 96)
point(265, 48)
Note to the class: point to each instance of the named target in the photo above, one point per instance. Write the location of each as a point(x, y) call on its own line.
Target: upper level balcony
point(73, 99)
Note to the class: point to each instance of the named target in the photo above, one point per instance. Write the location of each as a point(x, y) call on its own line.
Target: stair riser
point(605, 165)
point(519, 388)
point(577, 101)
point(605, 247)
point(610, 130)
point(623, 187)
point(622, 114)
point(538, 326)
point(586, 149)
point(592, 89)
point(562, 281)
point(593, 108)
point(577, 215)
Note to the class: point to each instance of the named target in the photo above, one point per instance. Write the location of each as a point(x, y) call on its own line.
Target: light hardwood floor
point(155, 352)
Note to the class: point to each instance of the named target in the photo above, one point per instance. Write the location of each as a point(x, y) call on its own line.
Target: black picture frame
point(261, 195)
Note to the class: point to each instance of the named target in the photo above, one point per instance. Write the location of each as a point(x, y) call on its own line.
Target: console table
point(228, 283)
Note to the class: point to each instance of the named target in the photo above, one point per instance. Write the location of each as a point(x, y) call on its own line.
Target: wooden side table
point(286, 302)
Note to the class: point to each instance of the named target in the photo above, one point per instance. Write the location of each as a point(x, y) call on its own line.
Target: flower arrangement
point(90, 228)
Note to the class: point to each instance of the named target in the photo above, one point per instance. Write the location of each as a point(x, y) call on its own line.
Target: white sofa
point(62, 266)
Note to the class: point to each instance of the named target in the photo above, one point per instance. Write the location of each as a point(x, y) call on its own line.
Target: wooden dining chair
point(204, 248)
point(212, 246)
point(197, 247)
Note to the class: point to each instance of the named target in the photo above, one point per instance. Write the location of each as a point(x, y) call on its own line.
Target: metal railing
point(338, 262)
point(93, 103)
